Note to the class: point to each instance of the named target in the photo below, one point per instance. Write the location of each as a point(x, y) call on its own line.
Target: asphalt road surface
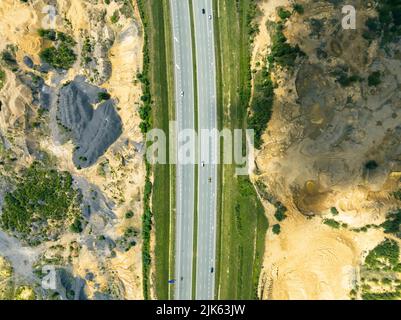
point(207, 174)
point(185, 179)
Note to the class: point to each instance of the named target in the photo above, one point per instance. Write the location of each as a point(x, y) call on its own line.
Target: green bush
point(282, 52)
point(129, 214)
point(384, 256)
point(2, 78)
point(9, 59)
point(387, 26)
point(393, 222)
point(76, 226)
point(371, 165)
point(374, 79)
point(42, 195)
point(397, 195)
point(61, 55)
point(48, 34)
point(280, 213)
point(283, 14)
point(261, 106)
point(103, 96)
point(276, 229)
point(298, 8)
point(332, 223)
point(115, 17)
point(334, 211)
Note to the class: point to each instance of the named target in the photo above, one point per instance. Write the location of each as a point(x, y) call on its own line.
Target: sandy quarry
point(313, 156)
point(121, 184)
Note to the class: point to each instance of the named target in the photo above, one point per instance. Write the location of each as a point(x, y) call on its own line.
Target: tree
point(276, 229)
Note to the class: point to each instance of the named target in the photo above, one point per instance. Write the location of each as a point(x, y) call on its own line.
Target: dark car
point(211, 270)
point(203, 11)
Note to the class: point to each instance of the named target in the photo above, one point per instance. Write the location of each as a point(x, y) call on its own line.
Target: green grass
point(154, 15)
point(195, 244)
point(242, 222)
point(2, 78)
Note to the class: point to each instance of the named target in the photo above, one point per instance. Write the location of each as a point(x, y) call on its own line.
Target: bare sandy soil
point(119, 173)
point(319, 139)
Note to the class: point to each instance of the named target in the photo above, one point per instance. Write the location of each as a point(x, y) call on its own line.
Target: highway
point(207, 174)
point(207, 155)
point(185, 173)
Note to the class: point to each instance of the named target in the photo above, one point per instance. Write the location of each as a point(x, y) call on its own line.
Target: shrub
point(397, 194)
point(283, 14)
point(298, 8)
point(103, 96)
point(334, 211)
point(42, 195)
point(115, 17)
point(261, 107)
point(384, 256)
point(374, 79)
point(280, 213)
point(276, 229)
point(76, 226)
point(2, 78)
point(393, 222)
point(371, 165)
point(129, 214)
point(282, 52)
point(332, 223)
point(48, 34)
point(61, 55)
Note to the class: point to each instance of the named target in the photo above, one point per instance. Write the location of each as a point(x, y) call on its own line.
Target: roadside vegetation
point(282, 55)
point(242, 222)
point(154, 113)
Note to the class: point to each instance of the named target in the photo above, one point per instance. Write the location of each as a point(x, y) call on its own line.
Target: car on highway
point(211, 270)
point(210, 17)
point(203, 163)
point(203, 11)
point(182, 93)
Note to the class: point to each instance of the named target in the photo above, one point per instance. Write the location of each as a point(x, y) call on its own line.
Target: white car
point(182, 93)
point(210, 17)
point(203, 163)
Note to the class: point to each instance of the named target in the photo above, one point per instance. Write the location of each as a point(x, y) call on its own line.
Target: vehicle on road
point(203, 11)
point(210, 17)
point(210, 179)
point(211, 270)
point(182, 93)
point(203, 163)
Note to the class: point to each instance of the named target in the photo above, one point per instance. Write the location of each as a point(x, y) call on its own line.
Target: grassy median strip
point(154, 79)
point(242, 222)
point(195, 245)
point(219, 90)
point(172, 169)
